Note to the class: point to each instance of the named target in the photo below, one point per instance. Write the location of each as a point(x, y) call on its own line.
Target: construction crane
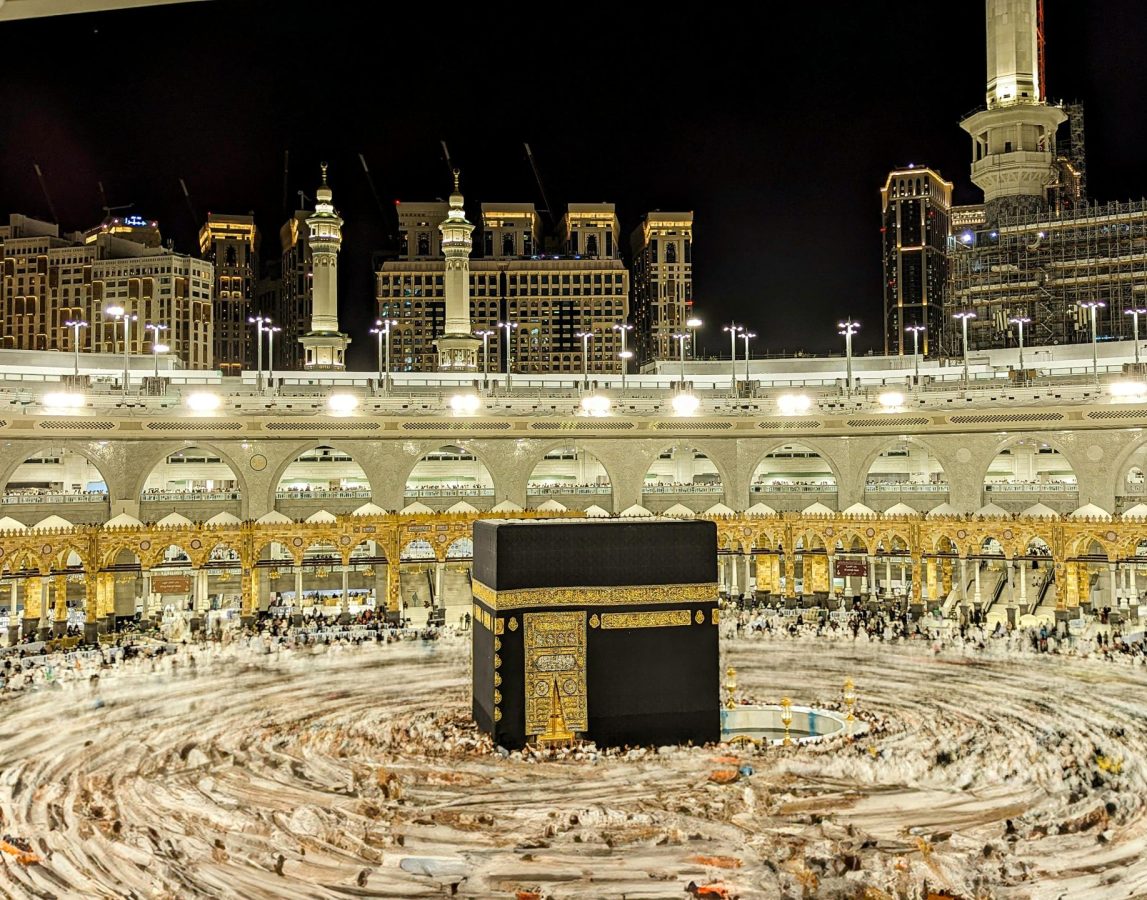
point(538, 178)
point(190, 206)
point(108, 210)
point(47, 196)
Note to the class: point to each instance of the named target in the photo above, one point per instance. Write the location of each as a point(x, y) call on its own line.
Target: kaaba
point(598, 629)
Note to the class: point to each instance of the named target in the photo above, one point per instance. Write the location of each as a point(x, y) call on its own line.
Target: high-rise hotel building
point(914, 232)
point(662, 248)
point(48, 280)
point(231, 245)
point(552, 297)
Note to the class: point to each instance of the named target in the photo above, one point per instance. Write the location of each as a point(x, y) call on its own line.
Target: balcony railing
point(189, 496)
point(57, 497)
point(324, 495)
point(906, 487)
point(1031, 487)
point(683, 489)
point(447, 491)
point(795, 488)
point(551, 489)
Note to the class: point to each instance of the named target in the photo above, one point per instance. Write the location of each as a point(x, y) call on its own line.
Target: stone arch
point(536, 459)
point(301, 448)
point(795, 493)
point(466, 446)
point(1091, 543)
point(1014, 440)
point(923, 493)
point(35, 448)
point(809, 443)
point(712, 456)
point(151, 463)
point(1131, 457)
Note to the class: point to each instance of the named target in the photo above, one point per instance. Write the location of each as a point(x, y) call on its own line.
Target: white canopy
point(817, 509)
point(991, 511)
point(462, 507)
point(1091, 511)
point(1138, 511)
point(760, 509)
point(551, 505)
point(635, 511)
point(274, 517)
point(1039, 511)
point(900, 509)
point(507, 506)
point(416, 507)
point(322, 516)
point(944, 509)
point(9, 524)
point(679, 511)
point(223, 518)
point(122, 520)
point(720, 509)
point(173, 519)
point(51, 522)
point(369, 509)
point(859, 509)
point(596, 512)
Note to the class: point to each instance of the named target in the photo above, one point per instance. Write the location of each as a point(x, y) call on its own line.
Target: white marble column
point(963, 579)
point(1023, 586)
point(1113, 572)
point(298, 604)
point(345, 606)
point(976, 595)
point(734, 587)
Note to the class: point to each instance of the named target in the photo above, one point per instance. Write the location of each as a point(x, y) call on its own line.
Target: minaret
point(457, 347)
point(1013, 139)
point(324, 346)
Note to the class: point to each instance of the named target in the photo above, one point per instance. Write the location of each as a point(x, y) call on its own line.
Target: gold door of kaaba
point(555, 654)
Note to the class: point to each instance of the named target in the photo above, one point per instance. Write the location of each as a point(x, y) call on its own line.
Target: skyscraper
point(662, 281)
point(293, 310)
point(914, 230)
point(231, 245)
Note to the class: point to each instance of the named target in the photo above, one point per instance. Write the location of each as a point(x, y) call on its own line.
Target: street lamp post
point(509, 326)
point(747, 336)
point(271, 351)
point(259, 321)
point(119, 313)
point(964, 317)
point(77, 324)
point(734, 329)
point(848, 328)
point(156, 347)
point(693, 324)
point(586, 337)
point(681, 339)
point(1020, 322)
point(623, 328)
point(485, 334)
point(1135, 314)
point(382, 327)
point(1091, 306)
point(915, 330)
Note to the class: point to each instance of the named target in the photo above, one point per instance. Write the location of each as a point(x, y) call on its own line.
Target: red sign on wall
point(855, 568)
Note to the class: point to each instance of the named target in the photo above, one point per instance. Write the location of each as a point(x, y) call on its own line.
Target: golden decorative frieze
point(659, 619)
point(595, 596)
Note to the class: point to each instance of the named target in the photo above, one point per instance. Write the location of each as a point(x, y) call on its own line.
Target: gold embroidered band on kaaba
point(519, 598)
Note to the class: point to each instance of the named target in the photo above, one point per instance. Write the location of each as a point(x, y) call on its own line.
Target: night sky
point(778, 132)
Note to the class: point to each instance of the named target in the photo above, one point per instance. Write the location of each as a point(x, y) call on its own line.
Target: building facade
point(914, 229)
point(49, 281)
point(231, 245)
point(551, 298)
point(662, 249)
point(292, 311)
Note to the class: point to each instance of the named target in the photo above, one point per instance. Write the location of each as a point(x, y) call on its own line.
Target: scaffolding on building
point(1043, 267)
